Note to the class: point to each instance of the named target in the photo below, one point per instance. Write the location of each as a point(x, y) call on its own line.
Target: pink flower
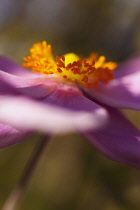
point(71, 94)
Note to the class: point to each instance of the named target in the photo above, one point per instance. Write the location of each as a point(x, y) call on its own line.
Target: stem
point(15, 198)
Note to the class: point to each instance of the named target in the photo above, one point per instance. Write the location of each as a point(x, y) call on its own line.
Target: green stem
point(15, 198)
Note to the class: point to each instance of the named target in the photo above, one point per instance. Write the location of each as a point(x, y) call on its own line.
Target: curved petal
point(119, 140)
point(70, 97)
point(10, 135)
point(34, 115)
point(6, 88)
point(36, 87)
point(123, 92)
point(129, 67)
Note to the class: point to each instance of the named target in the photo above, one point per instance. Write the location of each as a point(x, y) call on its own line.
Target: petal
point(128, 67)
point(123, 92)
point(35, 115)
point(36, 87)
point(119, 140)
point(10, 135)
point(70, 97)
point(6, 88)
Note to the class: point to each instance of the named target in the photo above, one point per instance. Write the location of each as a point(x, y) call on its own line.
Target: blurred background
point(71, 175)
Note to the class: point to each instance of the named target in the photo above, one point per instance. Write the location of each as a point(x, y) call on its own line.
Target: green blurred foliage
point(71, 173)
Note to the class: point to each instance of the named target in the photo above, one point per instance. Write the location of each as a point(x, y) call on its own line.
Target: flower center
point(88, 71)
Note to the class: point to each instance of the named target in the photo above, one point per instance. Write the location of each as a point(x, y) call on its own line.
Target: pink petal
point(123, 92)
point(70, 97)
point(6, 88)
point(36, 87)
point(24, 113)
point(119, 140)
point(128, 67)
point(10, 135)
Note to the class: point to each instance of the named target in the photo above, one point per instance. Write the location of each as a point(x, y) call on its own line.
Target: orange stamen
point(88, 71)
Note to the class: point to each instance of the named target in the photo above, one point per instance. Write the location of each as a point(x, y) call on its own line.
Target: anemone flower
point(69, 93)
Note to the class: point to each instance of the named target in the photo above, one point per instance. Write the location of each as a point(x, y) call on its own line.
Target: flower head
point(69, 93)
point(88, 71)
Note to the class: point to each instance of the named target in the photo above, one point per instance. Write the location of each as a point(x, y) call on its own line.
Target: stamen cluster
point(88, 71)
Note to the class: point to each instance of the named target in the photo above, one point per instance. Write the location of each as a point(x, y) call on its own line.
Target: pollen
point(89, 71)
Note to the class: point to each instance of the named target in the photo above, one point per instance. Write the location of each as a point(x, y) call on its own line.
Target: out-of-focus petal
point(119, 140)
point(6, 88)
point(34, 115)
point(123, 92)
point(36, 87)
point(129, 67)
point(70, 97)
point(10, 135)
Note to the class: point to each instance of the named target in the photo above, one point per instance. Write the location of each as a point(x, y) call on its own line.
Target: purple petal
point(123, 92)
point(36, 87)
point(6, 88)
point(10, 135)
point(70, 97)
point(128, 67)
point(119, 140)
point(34, 115)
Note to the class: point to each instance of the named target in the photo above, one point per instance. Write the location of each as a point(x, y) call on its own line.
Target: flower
point(71, 94)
